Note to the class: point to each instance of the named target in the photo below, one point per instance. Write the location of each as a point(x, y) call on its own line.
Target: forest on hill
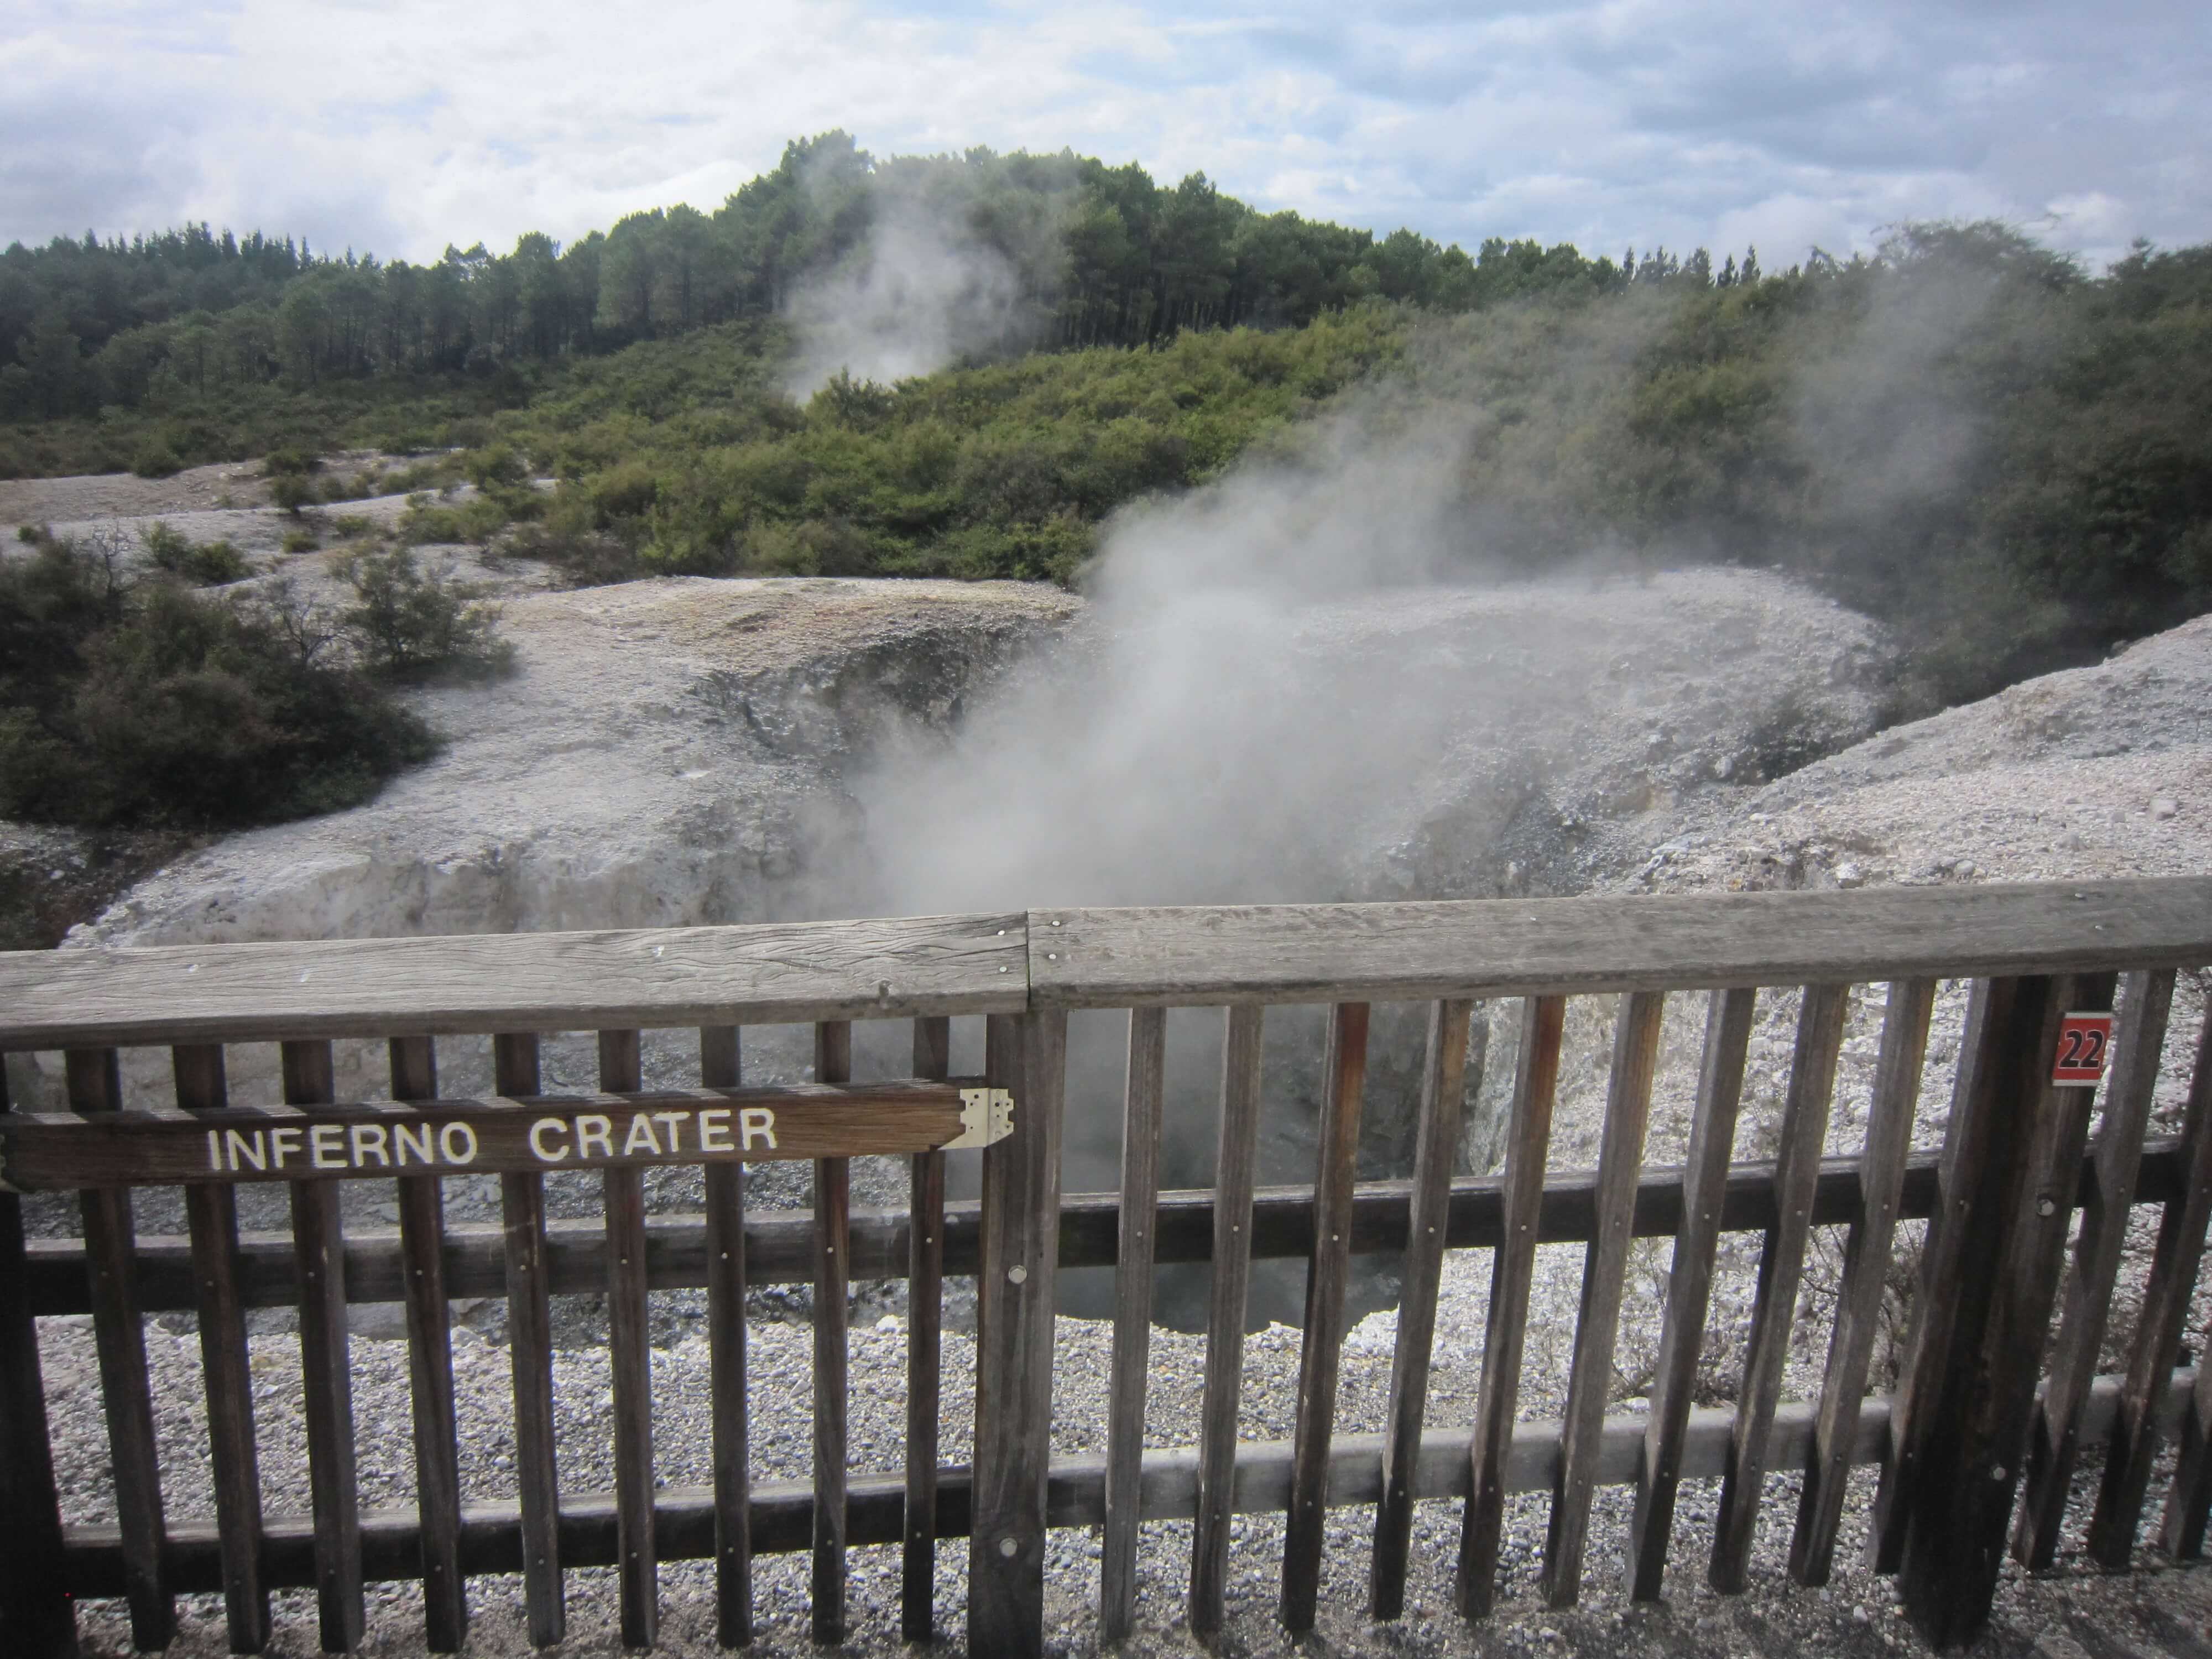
point(2004, 454)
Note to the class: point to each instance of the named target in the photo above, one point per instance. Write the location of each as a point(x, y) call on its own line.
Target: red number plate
point(2083, 1041)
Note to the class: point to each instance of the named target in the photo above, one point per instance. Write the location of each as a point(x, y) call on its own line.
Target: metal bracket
point(985, 1116)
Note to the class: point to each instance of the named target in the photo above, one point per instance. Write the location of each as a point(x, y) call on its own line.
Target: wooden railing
point(1978, 1445)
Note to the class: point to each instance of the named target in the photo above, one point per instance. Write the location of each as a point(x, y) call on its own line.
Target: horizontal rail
point(617, 980)
point(1572, 946)
point(781, 1515)
point(782, 973)
point(780, 1249)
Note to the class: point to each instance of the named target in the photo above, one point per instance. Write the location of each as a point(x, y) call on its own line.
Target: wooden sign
point(2084, 1040)
point(45, 1151)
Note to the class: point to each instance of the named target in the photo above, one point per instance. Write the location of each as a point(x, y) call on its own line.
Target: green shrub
point(488, 468)
point(158, 704)
point(353, 526)
point(291, 462)
point(33, 533)
point(204, 564)
point(410, 624)
point(291, 491)
point(300, 541)
point(156, 460)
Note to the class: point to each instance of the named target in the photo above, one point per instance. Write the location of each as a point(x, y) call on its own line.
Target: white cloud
point(403, 126)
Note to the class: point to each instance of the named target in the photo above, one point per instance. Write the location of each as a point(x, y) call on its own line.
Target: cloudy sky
point(401, 126)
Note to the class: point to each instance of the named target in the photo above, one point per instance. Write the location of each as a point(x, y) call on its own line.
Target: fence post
point(37, 1620)
point(2008, 1212)
point(1014, 1339)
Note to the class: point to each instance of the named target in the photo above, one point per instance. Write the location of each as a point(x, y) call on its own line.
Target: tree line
point(1102, 256)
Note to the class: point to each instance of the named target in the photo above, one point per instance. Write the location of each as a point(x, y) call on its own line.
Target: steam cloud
point(919, 294)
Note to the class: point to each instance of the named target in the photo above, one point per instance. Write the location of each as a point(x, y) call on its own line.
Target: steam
point(1254, 700)
point(919, 294)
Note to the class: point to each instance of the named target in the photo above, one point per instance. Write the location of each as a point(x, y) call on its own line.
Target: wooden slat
point(1605, 1270)
point(1344, 1077)
point(2159, 1332)
point(95, 1086)
point(513, 982)
point(925, 1318)
point(2189, 1499)
point(2087, 1299)
point(1781, 1266)
point(211, 1213)
point(413, 1062)
point(1443, 1092)
point(326, 1374)
point(1224, 1325)
point(1513, 1264)
point(833, 1063)
point(1014, 1340)
point(1689, 1285)
point(1500, 947)
point(782, 1512)
point(35, 1611)
point(1973, 1437)
point(780, 1246)
point(530, 1354)
point(1882, 1163)
point(1967, 1134)
point(1143, 1096)
point(629, 1358)
point(725, 1340)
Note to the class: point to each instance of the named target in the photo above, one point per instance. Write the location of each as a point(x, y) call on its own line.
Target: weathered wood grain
point(513, 982)
point(326, 1374)
point(2189, 1499)
point(2088, 1297)
point(1689, 1285)
point(1224, 1325)
point(1513, 1263)
point(2175, 1260)
point(530, 1356)
point(833, 1201)
point(725, 1268)
point(1014, 1340)
point(1781, 1266)
point(35, 1611)
point(781, 1513)
point(95, 1081)
point(1443, 1093)
point(413, 1062)
point(1344, 1078)
point(1976, 1427)
point(1883, 1161)
point(629, 1361)
point(211, 1215)
point(925, 1317)
point(1605, 1270)
point(1143, 1098)
point(1501, 947)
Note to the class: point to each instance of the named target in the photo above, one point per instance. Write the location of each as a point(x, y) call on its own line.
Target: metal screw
point(1998, 1473)
point(1009, 1548)
point(1018, 1274)
point(2046, 1204)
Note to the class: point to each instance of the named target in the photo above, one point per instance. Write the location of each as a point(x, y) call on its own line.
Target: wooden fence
point(1977, 1447)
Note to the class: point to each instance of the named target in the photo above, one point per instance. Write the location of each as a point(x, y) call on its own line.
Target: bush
point(156, 460)
point(410, 623)
point(33, 533)
point(300, 541)
point(356, 526)
point(291, 462)
point(158, 704)
point(292, 492)
point(204, 564)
